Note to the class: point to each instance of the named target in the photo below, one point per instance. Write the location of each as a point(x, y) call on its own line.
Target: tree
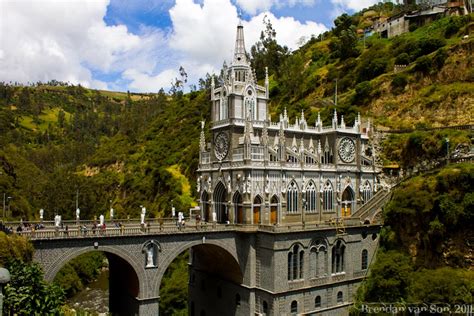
point(342, 22)
point(267, 52)
point(447, 285)
point(345, 45)
point(28, 294)
point(389, 278)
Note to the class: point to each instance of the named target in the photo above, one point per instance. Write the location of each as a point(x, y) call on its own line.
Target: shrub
point(429, 45)
point(371, 68)
point(362, 90)
point(454, 24)
point(402, 59)
point(439, 58)
point(424, 64)
point(399, 82)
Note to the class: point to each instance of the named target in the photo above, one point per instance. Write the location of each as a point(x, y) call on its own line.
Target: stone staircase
point(375, 204)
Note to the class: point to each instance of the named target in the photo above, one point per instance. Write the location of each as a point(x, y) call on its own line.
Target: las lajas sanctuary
point(301, 185)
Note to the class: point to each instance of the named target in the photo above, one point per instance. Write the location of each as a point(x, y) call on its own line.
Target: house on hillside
point(400, 23)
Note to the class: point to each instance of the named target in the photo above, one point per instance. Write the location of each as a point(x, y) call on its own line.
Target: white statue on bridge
point(78, 213)
point(41, 214)
point(57, 220)
point(101, 220)
point(111, 213)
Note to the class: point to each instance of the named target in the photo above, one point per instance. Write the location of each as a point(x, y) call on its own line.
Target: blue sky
point(139, 45)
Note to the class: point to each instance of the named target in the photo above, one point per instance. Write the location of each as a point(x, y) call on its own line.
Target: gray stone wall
point(261, 260)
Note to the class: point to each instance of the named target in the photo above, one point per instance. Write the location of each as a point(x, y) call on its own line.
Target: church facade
point(255, 171)
point(291, 183)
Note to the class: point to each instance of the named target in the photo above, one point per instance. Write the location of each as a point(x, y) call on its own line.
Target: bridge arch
point(216, 247)
point(56, 265)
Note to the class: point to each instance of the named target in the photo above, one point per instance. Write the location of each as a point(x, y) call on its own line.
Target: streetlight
point(4, 279)
point(6, 199)
point(3, 216)
point(447, 150)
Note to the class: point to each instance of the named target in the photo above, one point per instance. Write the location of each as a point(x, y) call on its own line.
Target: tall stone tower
point(293, 192)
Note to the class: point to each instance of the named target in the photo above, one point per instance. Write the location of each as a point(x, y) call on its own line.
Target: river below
point(95, 297)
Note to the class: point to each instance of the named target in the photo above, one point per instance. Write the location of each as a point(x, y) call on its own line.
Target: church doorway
point(220, 204)
point(274, 210)
point(238, 208)
point(347, 202)
point(205, 206)
point(257, 205)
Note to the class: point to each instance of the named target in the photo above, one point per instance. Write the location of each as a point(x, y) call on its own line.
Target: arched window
point(338, 257)
point(366, 192)
point(311, 197)
point(220, 203)
point(292, 198)
point(290, 265)
point(294, 307)
point(313, 262)
point(237, 299)
point(265, 307)
point(328, 196)
point(238, 208)
point(300, 268)
point(223, 109)
point(317, 302)
point(295, 263)
point(251, 106)
point(318, 259)
point(274, 210)
point(340, 297)
point(205, 206)
point(257, 202)
point(365, 259)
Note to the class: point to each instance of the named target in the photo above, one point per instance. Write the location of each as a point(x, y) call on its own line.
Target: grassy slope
point(444, 97)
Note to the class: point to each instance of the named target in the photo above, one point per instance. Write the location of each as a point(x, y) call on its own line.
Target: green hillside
point(127, 150)
point(111, 149)
point(117, 149)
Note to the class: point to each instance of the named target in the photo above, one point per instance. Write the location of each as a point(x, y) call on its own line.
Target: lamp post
point(447, 150)
point(4, 279)
point(6, 200)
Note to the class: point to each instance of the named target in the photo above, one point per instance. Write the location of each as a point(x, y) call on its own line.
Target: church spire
point(239, 51)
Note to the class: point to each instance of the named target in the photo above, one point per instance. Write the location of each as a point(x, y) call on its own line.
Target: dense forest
point(61, 144)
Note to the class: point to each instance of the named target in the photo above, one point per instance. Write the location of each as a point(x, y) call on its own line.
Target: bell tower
point(239, 97)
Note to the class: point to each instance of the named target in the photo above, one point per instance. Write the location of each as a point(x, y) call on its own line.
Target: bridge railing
point(169, 227)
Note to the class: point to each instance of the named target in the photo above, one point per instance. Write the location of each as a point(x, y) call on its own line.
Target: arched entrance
point(205, 206)
point(120, 280)
point(347, 202)
point(220, 204)
point(257, 206)
point(238, 208)
point(274, 210)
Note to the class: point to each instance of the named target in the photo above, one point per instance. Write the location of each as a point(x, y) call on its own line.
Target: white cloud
point(67, 41)
point(288, 30)
point(355, 5)
point(141, 81)
point(255, 6)
point(205, 34)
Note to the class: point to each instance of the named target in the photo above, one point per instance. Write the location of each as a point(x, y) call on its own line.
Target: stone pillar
point(148, 306)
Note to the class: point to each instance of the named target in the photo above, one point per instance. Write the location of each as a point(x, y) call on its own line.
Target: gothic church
point(293, 189)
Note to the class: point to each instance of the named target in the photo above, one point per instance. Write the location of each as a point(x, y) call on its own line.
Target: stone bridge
point(135, 276)
point(243, 263)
